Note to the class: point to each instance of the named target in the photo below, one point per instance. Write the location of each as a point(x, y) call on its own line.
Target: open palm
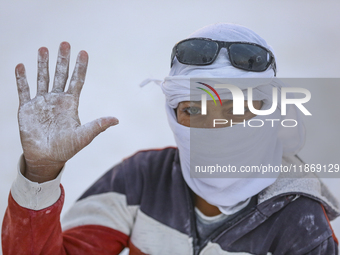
point(50, 129)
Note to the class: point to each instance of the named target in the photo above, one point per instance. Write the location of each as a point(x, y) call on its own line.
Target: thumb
point(91, 129)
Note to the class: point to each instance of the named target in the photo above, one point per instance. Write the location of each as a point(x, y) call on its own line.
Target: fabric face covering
point(237, 145)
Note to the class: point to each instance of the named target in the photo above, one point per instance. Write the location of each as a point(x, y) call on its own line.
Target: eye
point(192, 110)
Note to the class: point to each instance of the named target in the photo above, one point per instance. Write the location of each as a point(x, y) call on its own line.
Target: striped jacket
point(144, 203)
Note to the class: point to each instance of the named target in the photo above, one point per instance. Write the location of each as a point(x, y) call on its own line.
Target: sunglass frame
point(224, 44)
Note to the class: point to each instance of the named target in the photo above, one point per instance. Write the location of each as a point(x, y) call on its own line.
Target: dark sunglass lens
point(249, 57)
point(196, 52)
point(173, 53)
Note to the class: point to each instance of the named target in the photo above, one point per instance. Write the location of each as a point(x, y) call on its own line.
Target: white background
point(132, 40)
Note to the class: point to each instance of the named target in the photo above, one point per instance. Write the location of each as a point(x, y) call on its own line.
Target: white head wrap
point(232, 145)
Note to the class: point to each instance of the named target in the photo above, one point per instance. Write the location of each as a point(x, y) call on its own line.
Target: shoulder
point(143, 169)
point(305, 215)
point(151, 158)
point(302, 226)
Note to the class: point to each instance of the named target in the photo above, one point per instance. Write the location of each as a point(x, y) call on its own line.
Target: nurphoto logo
point(238, 103)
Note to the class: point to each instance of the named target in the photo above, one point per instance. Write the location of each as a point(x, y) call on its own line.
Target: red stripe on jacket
point(330, 226)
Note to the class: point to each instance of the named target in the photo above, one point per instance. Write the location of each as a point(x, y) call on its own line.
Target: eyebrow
point(227, 102)
point(190, 103)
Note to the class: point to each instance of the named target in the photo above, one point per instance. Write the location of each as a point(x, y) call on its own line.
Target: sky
point(129, 41)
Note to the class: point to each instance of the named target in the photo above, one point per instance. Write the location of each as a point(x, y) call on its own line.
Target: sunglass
point(243, 55)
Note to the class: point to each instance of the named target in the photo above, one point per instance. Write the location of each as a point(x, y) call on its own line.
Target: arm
point(27, 231)
point(51, 134)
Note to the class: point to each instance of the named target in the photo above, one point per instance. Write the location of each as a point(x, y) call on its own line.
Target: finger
point(43, 74)
point(90, 130)
point(61, 70)
point(23, 88)
point(79, 73)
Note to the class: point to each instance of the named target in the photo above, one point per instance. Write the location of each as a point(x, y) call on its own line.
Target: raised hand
point(50, 128)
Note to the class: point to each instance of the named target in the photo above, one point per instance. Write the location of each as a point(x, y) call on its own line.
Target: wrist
point(41, 171)
point(33, 195)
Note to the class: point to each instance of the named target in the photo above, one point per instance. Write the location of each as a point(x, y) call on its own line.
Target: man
point(149, 202)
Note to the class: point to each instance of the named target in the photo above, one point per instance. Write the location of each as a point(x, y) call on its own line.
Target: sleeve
point(31, 224)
